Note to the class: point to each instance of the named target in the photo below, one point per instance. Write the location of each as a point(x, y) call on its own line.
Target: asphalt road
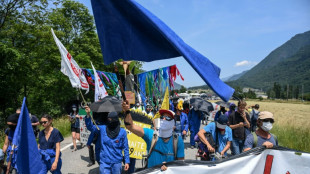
point(76, 162)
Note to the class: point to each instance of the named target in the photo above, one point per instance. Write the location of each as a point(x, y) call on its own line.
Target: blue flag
point(128, 31)
point(28, 158)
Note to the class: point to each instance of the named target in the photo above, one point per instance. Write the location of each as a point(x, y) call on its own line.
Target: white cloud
point(245, 63)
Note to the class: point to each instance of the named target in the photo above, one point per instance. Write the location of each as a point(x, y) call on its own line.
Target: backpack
point(153, 143)
point(254, 118)
point(255, 139)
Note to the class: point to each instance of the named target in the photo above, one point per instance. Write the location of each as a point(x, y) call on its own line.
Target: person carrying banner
point(75, 126)
point(49, 146)
point(221, 134)
point(262, 137)
point(238, 122)
point(181, 121)
point(167, 147)
point(113, 141)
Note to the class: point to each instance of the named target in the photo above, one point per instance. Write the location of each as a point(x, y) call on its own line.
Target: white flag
point(70, 68)
point(100, 91)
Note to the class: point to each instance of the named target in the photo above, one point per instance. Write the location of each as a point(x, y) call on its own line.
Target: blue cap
point(222, 119)
point(74, 106)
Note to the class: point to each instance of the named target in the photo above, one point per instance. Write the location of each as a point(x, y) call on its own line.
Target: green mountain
point(234, 77)
point(288, 64)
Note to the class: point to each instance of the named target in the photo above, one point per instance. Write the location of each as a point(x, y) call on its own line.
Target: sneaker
point(192, 147)
point(82, 145)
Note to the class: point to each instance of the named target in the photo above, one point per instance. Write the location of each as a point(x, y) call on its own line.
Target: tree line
point(30, 60)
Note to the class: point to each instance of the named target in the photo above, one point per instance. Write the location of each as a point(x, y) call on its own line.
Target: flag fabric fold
point(28, 158)
point(100, 91)
point(70, 68)
point(128, 31)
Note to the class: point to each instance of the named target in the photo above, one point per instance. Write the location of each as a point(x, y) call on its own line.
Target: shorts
point(74, 129)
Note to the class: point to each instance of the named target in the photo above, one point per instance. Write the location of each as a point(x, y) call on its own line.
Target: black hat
point(13, 118)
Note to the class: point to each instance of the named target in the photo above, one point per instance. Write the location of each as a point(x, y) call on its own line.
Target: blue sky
point(234, 35)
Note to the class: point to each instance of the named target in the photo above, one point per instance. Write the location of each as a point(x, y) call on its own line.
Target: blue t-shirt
point(54, 138)
point(164, 147)
point(249, 141)
point(223, 139)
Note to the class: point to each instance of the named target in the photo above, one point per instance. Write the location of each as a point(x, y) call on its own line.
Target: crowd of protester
point(233, 131)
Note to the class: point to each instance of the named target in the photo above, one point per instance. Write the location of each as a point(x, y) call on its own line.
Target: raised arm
point(89, 125)
point(129, 123)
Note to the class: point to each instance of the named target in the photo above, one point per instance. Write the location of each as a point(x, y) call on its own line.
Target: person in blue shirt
point(181, 122)
point(49, 146)
point(194, 119)
point(163, 151)
point(113, 141)
point(221, 134)
point(264, 138)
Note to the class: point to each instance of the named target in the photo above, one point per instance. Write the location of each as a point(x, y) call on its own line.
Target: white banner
point(100, 91)
point(269, 161)
point(84, 132)
point(70, 68)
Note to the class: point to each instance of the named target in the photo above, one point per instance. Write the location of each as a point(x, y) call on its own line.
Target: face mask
point(267, 126)
point(74, 109)
point(166, 128)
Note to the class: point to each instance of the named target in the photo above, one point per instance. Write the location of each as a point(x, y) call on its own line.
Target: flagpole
point(90, 114)
point(10, 160)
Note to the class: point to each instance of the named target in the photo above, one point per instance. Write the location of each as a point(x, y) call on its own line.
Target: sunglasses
point(167, 117)
point(43, 122)
point(268, 120)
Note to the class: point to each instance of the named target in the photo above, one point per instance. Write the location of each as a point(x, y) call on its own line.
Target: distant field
point(292, 123)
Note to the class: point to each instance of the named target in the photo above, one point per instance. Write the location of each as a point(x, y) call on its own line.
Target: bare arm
point(201, 135)
point(234, 126)
point(131, 127)
point(6, 144)
point(226, 147)
point(54, 165)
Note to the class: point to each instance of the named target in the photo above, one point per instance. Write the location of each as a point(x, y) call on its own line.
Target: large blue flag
point(28, 158)
point(128, 31)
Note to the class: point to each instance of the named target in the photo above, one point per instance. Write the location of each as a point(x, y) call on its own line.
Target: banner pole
point(90, 114)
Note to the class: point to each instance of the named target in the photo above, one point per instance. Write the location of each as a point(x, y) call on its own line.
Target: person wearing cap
point(181, 121)
point(239, 122)
point(263, 137)
point(220, 133)
point(163, 150)
point(113, 140)
point(75, 126)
